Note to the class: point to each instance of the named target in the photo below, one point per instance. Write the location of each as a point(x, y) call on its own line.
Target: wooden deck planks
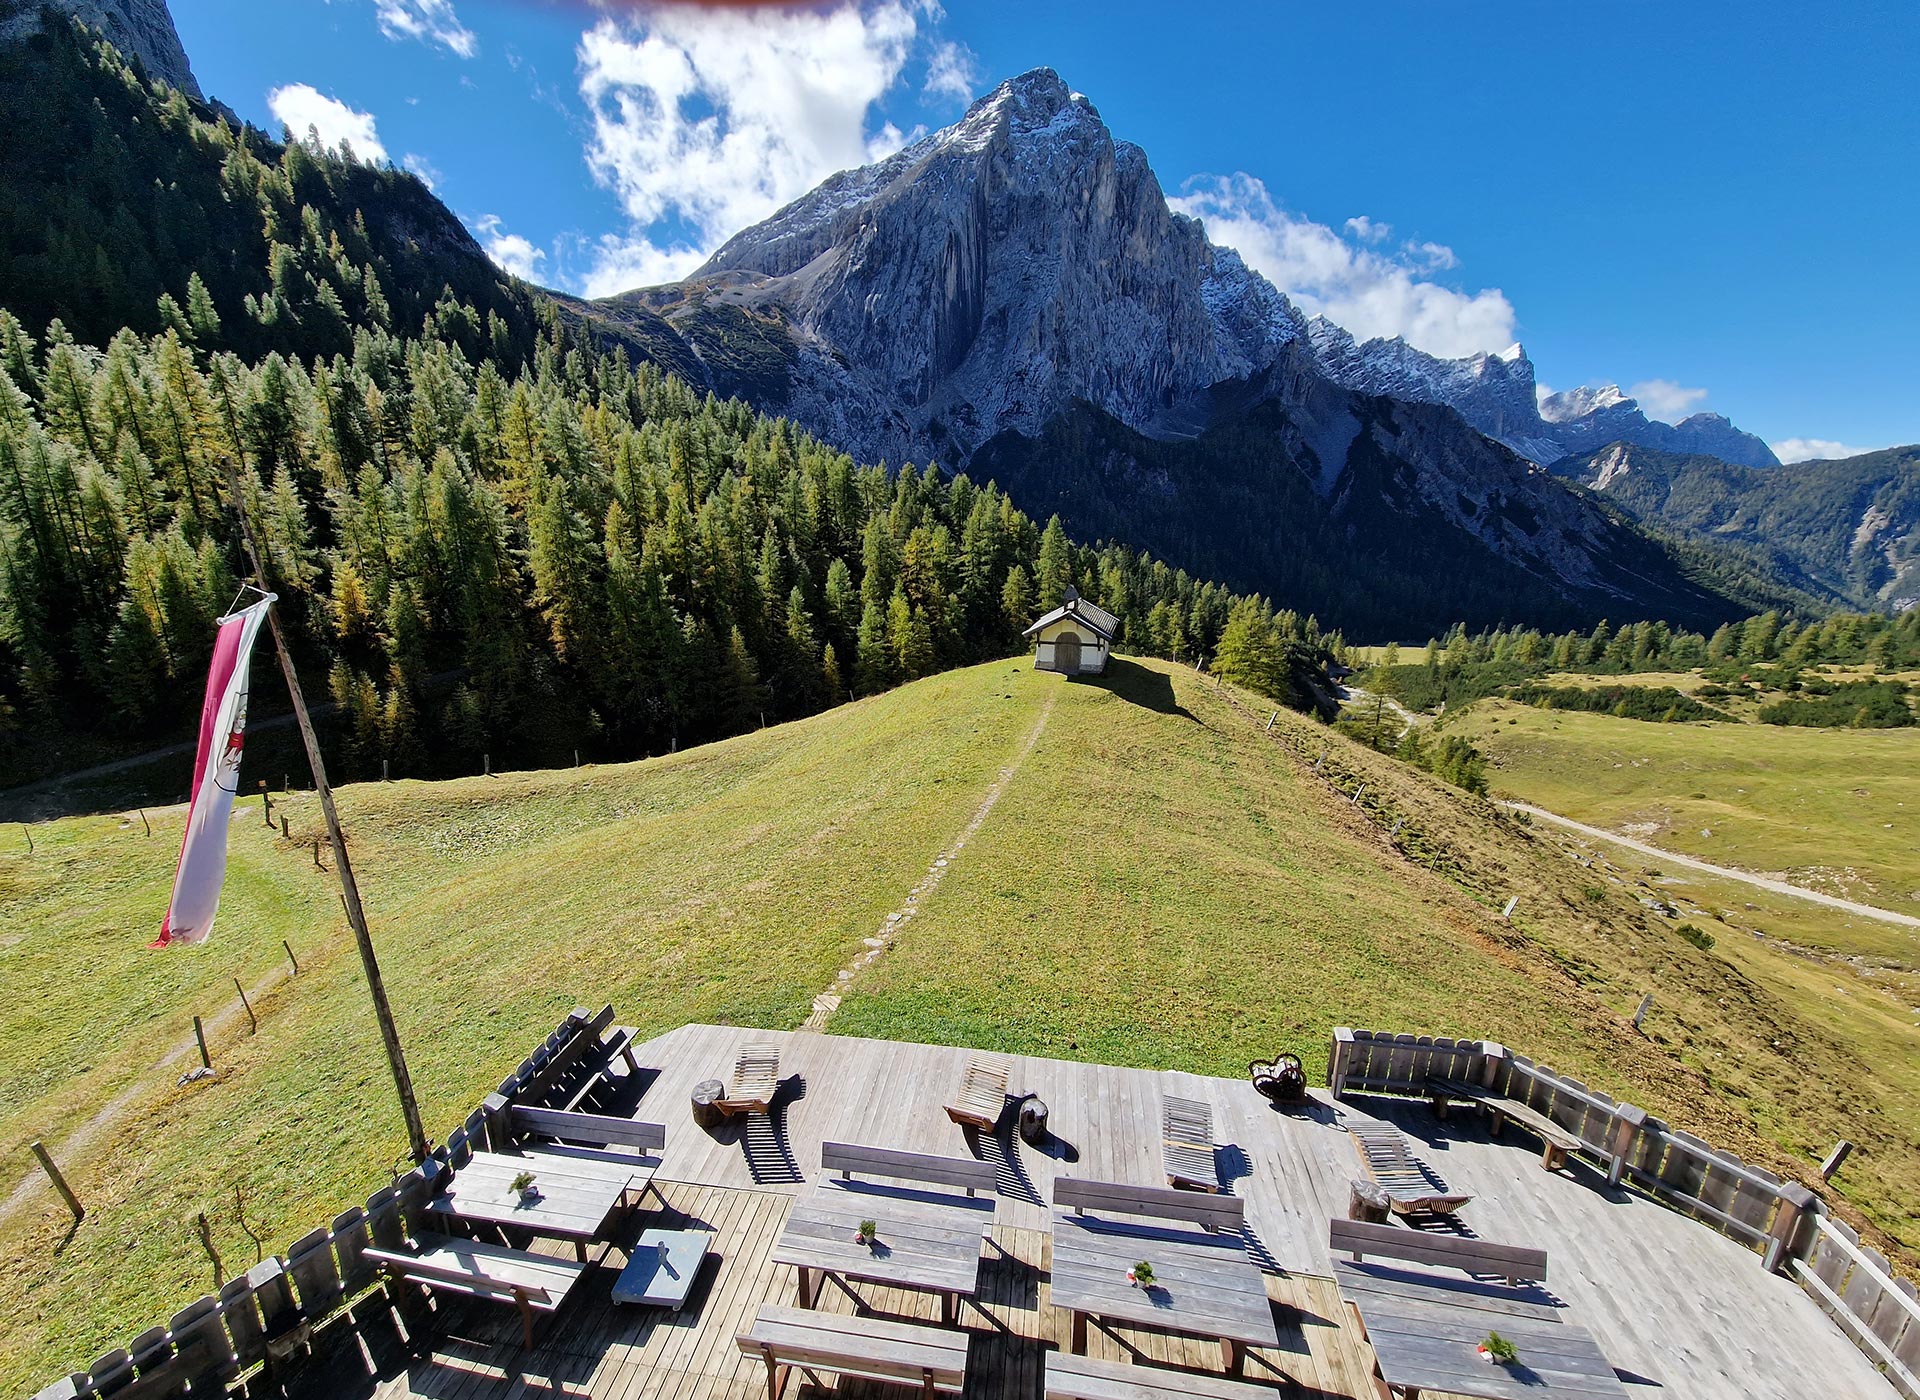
point(1666, 1298)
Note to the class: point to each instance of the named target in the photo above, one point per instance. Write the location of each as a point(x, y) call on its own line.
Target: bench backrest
point(1117, 1198)
point(848, 1158)
point(584, 1033)
point(1359, 1238)
point(588, 1129)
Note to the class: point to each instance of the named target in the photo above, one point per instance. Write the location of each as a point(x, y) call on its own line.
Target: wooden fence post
point(1797, 1203)
point(1628, 1120)
point(59, 1182)
point(1646, 1005)
point(145, 823)
point(1339, 1059)
point(1841, 1151)
point(253, 1022)
point(200, 1034)
point(290, 957)
point(1493, 1064)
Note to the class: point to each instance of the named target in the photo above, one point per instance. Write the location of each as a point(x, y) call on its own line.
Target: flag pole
point(343, 867)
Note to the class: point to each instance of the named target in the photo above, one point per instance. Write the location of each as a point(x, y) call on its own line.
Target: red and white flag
point(216, 778)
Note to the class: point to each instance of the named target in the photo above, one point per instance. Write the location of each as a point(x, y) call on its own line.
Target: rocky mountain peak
point(141, 29)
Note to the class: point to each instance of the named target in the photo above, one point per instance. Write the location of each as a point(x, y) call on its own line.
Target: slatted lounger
point(534, 1283)
point(1186, 1131)
point(1082, 1378)
point(898, 1353)
point(983, 1093)
point(756, 1078)
point(1389, 1160)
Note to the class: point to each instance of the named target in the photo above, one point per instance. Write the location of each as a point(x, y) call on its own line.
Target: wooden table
point(577, 1195)
point(928, 1239)
point(1426, 1329)
point(1204, 1284)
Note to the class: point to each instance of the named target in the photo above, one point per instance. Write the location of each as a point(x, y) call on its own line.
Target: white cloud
point(1369, 292)
point(510, 251)
point(1664, 399)
point(431, 21)
point(707, 119)
point(952, 72)
point(621, 264)
point(1369, 230)
point(302, 108)
point(1803, 449)
point(428, 174)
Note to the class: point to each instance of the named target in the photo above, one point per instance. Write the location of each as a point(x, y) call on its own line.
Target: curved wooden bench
point(534, 1283)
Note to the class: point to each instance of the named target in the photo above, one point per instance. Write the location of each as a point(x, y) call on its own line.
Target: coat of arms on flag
point(216, 780)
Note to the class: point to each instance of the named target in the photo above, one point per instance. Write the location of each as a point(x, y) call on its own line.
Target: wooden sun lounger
point(756, 1079)
point(1389, 1161)
point(983, 1093)
point(1186, 1132)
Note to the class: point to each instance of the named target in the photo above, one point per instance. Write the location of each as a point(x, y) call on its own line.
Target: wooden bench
point(1210, 1212)
point(1389, 1161)
point(534, 1283)
point(756, 1079)
point(1186, 1144)
point(1556, 1141)
point(1517, 1263)
point(1072, 1377)
point(965, 1172)
point(866, 1348)
point(983, 1093)
point(580, 1037)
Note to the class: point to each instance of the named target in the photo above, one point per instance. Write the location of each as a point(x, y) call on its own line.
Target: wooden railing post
point(1338, 1059)
point(1628, 1120)
point(1797, 1204)
point(1494, 1062)
point(497, 1112)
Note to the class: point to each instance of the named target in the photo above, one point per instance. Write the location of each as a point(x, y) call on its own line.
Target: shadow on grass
point(1138, 685)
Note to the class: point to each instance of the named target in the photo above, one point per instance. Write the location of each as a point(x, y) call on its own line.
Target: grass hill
point(1161, 882)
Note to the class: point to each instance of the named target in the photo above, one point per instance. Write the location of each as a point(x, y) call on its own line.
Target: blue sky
point(1715, 203)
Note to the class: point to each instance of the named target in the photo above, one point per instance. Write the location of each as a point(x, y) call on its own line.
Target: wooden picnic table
point(1203, 1284)
point(577, 1194)
point(1426, 1330)
point(928, 1239)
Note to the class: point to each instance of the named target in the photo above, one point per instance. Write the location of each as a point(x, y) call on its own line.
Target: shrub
point(1698, 937)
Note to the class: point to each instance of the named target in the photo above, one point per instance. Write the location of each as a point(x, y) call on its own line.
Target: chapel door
point(1066, 653)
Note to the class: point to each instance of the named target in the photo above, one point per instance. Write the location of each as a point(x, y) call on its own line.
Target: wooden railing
point(268, 1315)
point(1746, 1202)
point(1880, 1312)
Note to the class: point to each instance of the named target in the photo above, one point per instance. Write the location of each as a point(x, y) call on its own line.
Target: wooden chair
point(1389, 1161)
point(756, 1079)
point(1186, 1146)
point(983, 1093)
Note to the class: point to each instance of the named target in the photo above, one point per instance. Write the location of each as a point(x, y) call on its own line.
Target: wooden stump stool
point(706, 1108)
point(1033, 1121)
point(1367, 1200)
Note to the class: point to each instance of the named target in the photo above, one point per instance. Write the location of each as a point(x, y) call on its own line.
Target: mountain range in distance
point(1012, 296)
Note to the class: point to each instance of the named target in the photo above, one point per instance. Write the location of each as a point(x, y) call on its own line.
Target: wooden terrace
point(1677, 1309)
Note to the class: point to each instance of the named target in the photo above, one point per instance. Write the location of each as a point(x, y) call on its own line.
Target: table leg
point(1233, 1355)
point(806, 1287)
point(947, 1308)
point(1077, 1334)
point(580, 1250)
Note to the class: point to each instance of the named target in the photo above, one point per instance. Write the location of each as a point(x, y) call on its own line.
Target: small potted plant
point(867, 1234)
point(1141, 1275)
point(1496, 1350)
point(528, 1192)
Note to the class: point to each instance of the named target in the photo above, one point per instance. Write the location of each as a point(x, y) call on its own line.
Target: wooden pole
point(253, 1022)
point(145, 823)
point(59, 1182)
point(1841, 1151)
point(343, 867)
point(1646, 1005)
point(29, 834)
point(290, 957)
point(200, 1034)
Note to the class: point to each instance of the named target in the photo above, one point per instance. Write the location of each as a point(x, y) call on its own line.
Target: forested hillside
point(489, 533)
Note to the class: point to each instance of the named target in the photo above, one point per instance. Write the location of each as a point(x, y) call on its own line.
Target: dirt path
point(825, 1004)
point(1407, 717)
point(1744, 876)
point(71, 1151)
